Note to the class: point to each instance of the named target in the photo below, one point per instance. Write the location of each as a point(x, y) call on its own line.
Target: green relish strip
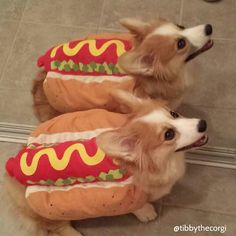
point(110, 176)
point(68, 66)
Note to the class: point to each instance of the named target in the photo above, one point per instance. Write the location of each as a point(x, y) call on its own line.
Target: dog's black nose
point(208, 29)
point(202, 126)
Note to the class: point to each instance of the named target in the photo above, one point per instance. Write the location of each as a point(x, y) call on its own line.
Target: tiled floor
point(29, 27)
point(205, 196)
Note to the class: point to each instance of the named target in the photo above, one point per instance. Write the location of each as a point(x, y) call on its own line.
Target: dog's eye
point(169, 134)
point(174, 114)
point(181, 26)
point(181, 43)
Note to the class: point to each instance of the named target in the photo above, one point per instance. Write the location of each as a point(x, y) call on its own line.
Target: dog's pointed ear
point(137, 63)
point(117, 144)
point(128, 102)
point(136, 27)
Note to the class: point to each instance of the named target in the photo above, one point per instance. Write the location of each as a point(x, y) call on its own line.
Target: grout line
point(100, 18)
point(62, 25)
point(9, 54)
point(9, 20)
point(181, 12)
point(113, 29)
point(197, 209)
point(13, 44)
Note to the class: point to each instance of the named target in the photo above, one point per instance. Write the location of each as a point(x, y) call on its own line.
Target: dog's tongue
point(202, 141)
point(206, 47)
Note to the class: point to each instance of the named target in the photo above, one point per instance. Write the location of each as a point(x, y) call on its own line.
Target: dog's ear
point(117, 144)
point(128, 102)
point(137, 63)
point(136, 27)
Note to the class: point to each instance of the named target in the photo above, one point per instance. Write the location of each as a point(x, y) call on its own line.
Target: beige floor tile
point(221, 123)
point(7, 150)
point(222, 15)
point(115, 10)
point(125, 225)
point(206, 188)
point(11, 9)
point(16, 107)
point(71, 12)
point(173, 216)
point(214, 77)
point(32, 41)
point(7, 33)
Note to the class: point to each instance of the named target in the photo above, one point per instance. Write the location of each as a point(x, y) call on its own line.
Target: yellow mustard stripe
point(54, 50)
point(60, 164)
point(120, 48)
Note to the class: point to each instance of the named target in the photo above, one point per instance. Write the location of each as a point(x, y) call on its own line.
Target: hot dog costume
point(67, 176)
point(82, 74)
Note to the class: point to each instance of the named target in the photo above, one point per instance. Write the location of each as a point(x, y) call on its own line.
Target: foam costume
point(67, 176)
point(81, 74)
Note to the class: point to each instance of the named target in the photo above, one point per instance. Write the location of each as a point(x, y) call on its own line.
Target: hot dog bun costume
point(82, 74)
point(67, 176)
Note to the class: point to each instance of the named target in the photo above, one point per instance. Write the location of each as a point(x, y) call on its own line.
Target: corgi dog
point(150, 145)
point(154, 63)
point(161, 52)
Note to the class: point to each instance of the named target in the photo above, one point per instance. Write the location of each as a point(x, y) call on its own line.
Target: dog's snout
point(208, 29)
point(202, 126)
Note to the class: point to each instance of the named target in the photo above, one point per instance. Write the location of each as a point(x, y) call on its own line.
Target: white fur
point(156, 116)
point(166, 30)
point(146, 213)
point(187, 128)
point(188, 131)
point(195, 35)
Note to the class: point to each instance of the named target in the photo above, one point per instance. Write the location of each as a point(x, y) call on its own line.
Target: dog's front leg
point(146, 213)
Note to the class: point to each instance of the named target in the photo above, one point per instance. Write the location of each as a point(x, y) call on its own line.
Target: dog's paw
point(146, 213)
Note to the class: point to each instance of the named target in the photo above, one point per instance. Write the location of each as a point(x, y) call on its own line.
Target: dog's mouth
point(206, 47)
point(200, 142)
